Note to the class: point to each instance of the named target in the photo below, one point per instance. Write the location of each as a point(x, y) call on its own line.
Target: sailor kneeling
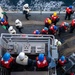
point(11, 30)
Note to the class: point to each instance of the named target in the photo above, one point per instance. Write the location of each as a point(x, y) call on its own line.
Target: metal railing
point(29, 37)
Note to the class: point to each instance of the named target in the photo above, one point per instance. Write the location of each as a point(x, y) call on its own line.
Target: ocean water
point(36, 5)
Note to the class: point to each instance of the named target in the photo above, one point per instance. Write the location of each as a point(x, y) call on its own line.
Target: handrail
point(28, 36)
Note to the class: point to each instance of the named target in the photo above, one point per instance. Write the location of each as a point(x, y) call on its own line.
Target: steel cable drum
point(1, 15)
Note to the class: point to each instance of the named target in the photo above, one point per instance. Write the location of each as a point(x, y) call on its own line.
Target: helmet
point(26, 5)
point(70, 6)
point(66, 24)
point(62, 58)
point(6, 56)
point(6, 23)
point(41, 57)
point(2, 20)
point(21, 55)
point(17, 20)
point(55, 41)
point(59, 43)
point(49, 21)
point(55, 14)
point(55, 28)
point(45, 28)
point(36, 32)
point(10, 28)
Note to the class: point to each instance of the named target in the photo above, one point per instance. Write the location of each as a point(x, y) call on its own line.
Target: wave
point(35, 5)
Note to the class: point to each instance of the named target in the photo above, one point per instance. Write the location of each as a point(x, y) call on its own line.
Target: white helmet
point(59, 43)
point(17, 20)
point(21, 55)
point(55, 41)
point(10, 28)
point(66, 24)
point(26, 5)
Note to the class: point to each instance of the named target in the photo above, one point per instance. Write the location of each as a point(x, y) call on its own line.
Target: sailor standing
point(18, 25)
point(26, 11)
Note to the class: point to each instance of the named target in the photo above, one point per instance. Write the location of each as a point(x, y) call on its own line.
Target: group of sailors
point(41, 62)
point(50, 23)
point(24, 62)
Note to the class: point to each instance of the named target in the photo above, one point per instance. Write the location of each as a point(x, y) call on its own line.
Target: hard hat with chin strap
point(59, 43)
point(62, 58)
point(66, 24)
point(41, 57)
point(21, 55)
point(36, 32)
point(26, 5)
point(2, 20)
point(10, 28)
point(49, 21)
point(17, 20)
point(70, 6)
point(55, 28)
point(54, 14)
point(45, 28)
point(6, 56)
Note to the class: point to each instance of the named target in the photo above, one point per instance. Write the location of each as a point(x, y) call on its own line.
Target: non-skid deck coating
point(36, 22)
point(35, 18)
point(30, 73)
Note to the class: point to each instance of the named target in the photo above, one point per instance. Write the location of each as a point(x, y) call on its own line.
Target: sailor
point(72, 26)
point(47, 22)
point(5, 23)
point(18, 25)
point(26, 11)
point(42, 62)
point(44, 30)
point(53, 30)
point(69, 12)
point(62, 61)
point(57, 42)
point(24, 60)
point(64, 26)
point(36, 32)
point(11, 30)
point(7, 61)
point(54, 18)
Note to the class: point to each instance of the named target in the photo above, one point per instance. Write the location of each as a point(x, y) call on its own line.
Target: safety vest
point(44, 31)
point(52, 29)
point(46, 20)
point(42, 64)
point(61, 62)
point(73, 22)
point(63, 25)
point(34, 32)
point(68, 10)
point(6, 64)
point(4, 23)
point(53, 18)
